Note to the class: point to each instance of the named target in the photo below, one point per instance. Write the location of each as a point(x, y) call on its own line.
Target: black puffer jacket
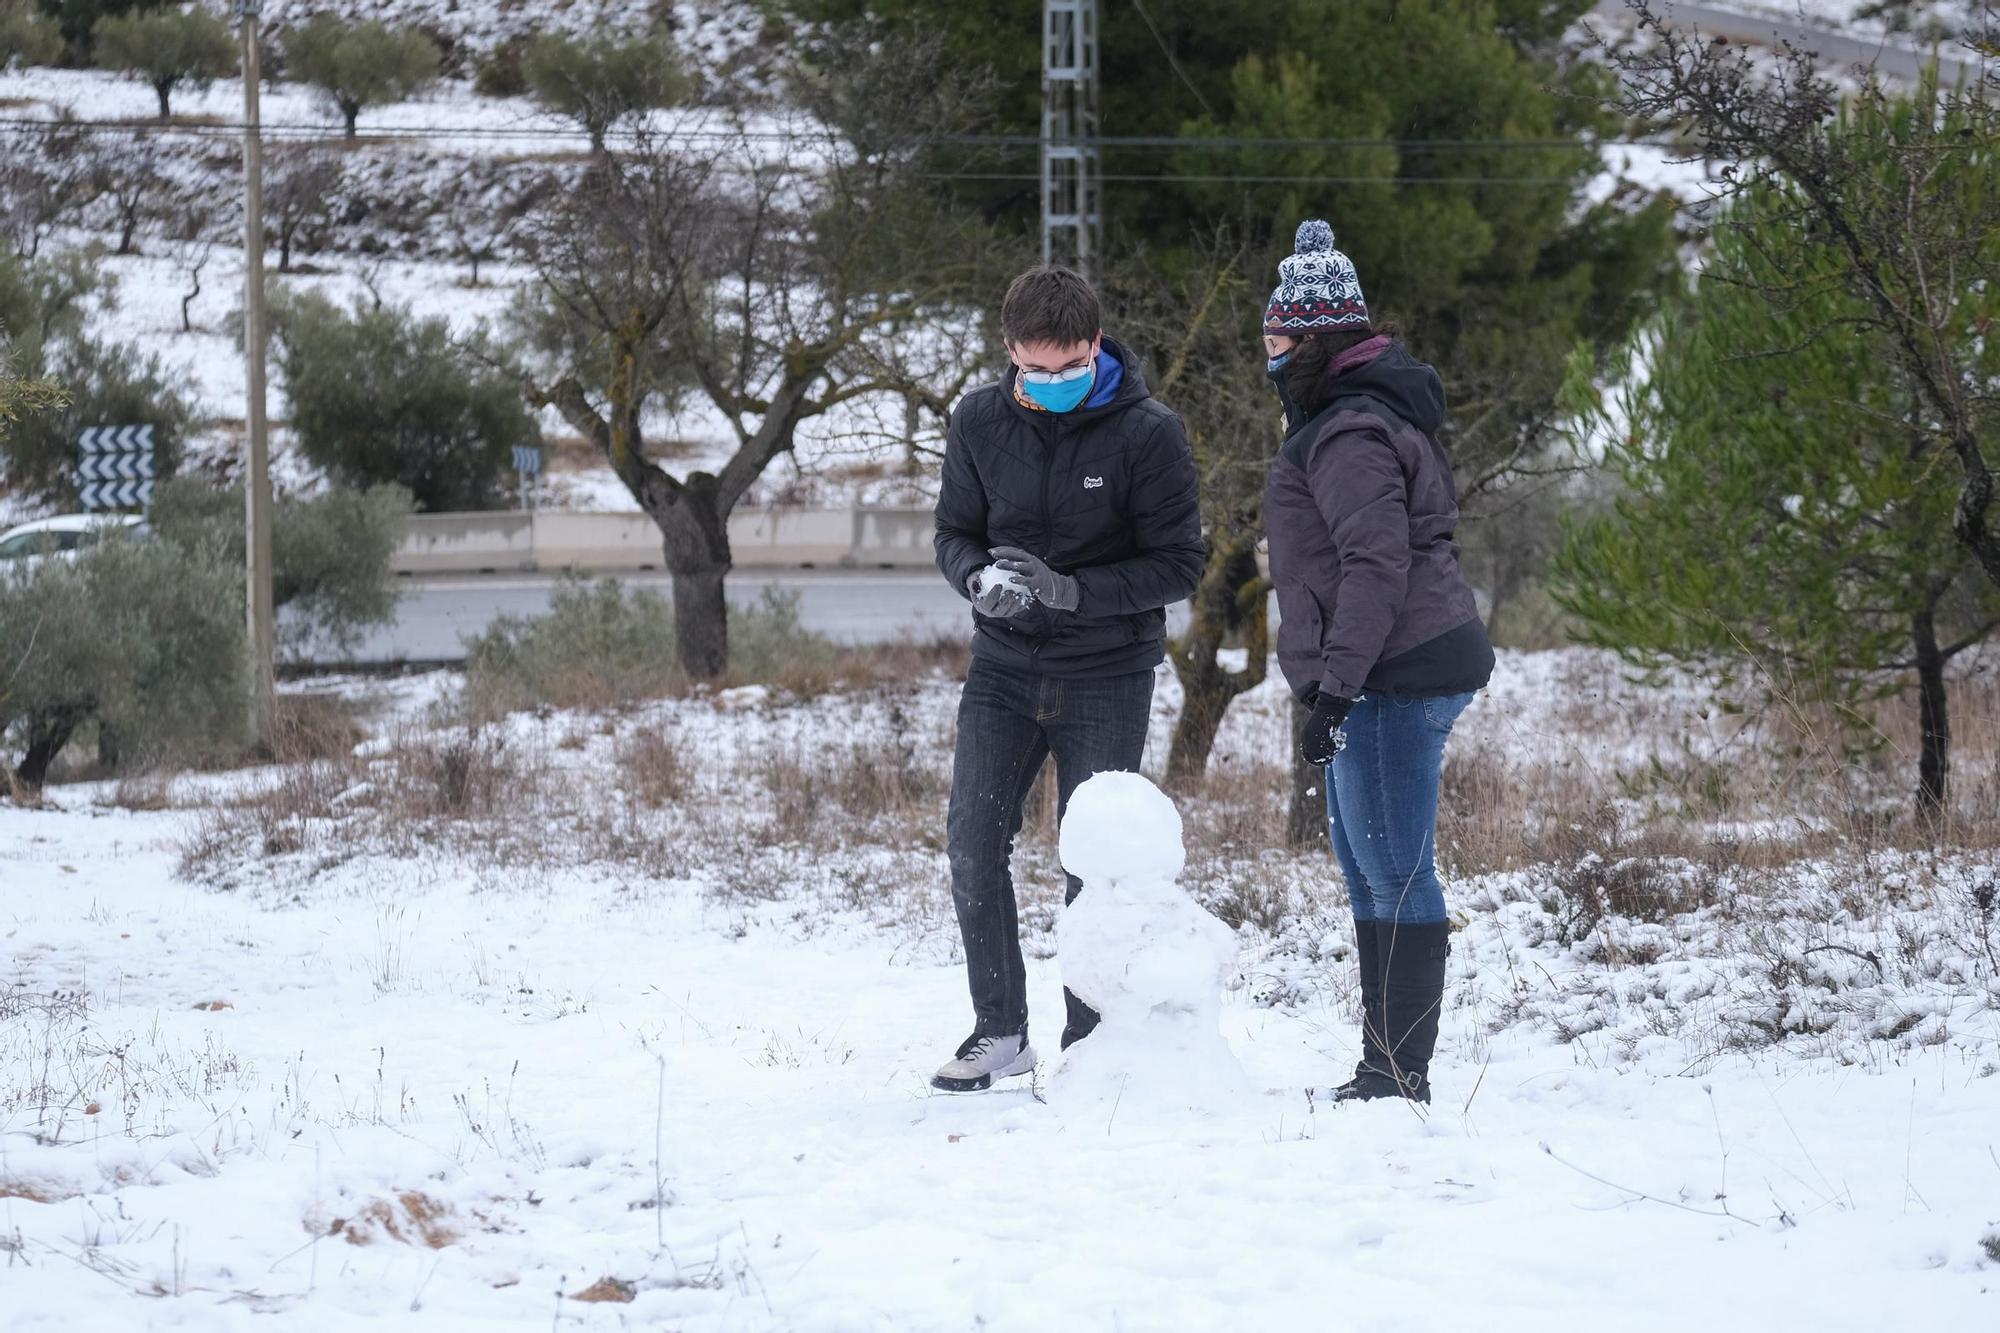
point(1362, 515)
point(1106, 493)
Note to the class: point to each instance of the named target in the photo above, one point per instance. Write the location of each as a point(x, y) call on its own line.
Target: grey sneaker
point(980, 1060)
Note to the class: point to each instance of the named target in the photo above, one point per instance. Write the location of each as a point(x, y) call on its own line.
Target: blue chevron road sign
point(114, 467)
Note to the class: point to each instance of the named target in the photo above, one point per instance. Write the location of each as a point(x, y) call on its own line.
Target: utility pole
point(1072, 219)
point(257, 468)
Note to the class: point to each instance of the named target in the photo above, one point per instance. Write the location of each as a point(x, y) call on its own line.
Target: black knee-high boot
point(1405, 1027)
point(1368, 961)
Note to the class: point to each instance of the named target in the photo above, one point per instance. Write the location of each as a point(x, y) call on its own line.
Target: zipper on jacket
point(1048, 519)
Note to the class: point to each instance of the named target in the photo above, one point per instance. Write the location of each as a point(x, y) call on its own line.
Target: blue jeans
point(1009, 722)
point(1381, 805)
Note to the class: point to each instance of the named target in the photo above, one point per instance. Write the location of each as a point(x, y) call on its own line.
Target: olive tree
point(27, 36)
point(167, 48)
point(359, 65)
point(380, 394)
point(776, 280)
point(600, 80)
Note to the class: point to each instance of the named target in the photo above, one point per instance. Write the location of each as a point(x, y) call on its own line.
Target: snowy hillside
point(630, 1026)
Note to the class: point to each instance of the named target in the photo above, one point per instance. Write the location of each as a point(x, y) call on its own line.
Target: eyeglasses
point(1069, 376)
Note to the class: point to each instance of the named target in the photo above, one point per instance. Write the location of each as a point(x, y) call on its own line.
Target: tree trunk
point(694, 536)
point(163, 87)
point(1305, 826)
point(1230, 598)
point(1205, 700)
point(284, 248)
point(351, 110)
point(1934, 720)
point(701, 622)
point(48, 733)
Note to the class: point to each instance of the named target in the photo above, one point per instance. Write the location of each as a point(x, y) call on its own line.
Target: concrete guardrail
point(553, 540)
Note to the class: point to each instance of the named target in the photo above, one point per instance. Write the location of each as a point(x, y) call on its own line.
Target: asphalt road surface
point(849, 606)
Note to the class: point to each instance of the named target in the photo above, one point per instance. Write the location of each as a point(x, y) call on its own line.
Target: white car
point(59, 538)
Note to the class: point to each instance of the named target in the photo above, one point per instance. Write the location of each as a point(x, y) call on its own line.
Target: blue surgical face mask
point(1060, 390)
point(1277, 363)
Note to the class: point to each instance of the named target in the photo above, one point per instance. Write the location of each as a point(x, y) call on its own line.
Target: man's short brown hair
point(1050, 305)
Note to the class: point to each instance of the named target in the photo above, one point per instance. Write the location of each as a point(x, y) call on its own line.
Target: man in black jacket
point(1069, 517)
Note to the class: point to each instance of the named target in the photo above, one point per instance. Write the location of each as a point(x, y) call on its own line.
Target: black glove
point(1050, 588)
point(1321, 738)
point(999, 600)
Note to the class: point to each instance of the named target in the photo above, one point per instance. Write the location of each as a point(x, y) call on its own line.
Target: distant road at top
point(1770, 29)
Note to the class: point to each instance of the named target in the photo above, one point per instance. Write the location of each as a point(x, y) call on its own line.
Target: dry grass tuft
point(653, 769)
point(306, 727)
point(610, 1289)
point(411, 1218)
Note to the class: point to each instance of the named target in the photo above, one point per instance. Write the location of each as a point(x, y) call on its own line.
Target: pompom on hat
point(1317, 287)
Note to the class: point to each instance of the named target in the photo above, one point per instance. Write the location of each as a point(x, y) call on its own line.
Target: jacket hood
point(1120, 383)
point(1406, 385)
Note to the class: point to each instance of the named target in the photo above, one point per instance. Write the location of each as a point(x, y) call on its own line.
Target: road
point(1899, 62)
point(849, 606)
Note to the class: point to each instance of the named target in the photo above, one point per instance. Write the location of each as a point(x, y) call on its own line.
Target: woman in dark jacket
point(1378, 632)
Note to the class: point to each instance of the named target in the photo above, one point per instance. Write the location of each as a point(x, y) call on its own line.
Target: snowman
point(1146, 956)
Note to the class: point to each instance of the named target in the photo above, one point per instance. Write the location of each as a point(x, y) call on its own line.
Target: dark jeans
point(1381, 805)
point(1008, 723)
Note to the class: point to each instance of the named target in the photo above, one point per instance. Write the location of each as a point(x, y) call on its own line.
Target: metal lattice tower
point(1072, 220)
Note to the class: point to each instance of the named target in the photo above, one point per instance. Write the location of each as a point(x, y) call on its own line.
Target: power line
point(220, 128)
point(1205, 179)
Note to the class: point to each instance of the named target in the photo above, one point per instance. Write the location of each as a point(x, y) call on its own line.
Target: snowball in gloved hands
point(1051, 589)
point(998, 592)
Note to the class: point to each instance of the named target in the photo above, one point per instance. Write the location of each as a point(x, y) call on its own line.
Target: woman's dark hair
point(1306, 378)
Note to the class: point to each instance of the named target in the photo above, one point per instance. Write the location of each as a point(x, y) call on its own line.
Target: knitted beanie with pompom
point(1317, 288)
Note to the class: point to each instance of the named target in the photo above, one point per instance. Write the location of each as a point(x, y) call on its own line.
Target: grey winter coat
point(1362, 512)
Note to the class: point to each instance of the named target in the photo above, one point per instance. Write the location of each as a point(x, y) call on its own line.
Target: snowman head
point(1121, 829)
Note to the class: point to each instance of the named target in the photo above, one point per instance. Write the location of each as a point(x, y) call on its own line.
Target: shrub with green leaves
point(330, 554)
point(602, 644)
point(142, 640)
point(598, 81)
point(27, 36)
point(379, 394)
point(360, 65)
point(599, 644)
point(168, 47)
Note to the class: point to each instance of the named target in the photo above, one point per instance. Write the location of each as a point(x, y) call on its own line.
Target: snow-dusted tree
point(167, 48)
point(45, 176)
point(300, 185)
point(598, 81)
point(489, 205)
point(123, 175)
point(779, 279)
point(192, 237)
point(359, 65)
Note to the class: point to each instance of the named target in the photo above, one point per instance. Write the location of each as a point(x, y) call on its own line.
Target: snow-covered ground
point(662, 1030)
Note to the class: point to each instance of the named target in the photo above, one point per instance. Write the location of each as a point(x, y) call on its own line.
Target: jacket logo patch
point(1092, 483)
